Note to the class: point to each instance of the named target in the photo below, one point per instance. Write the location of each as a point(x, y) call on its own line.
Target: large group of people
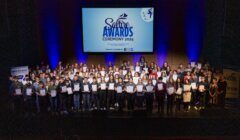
point(144, 86)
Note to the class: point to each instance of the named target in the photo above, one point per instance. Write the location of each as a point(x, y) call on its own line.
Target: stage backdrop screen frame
point(118, 29)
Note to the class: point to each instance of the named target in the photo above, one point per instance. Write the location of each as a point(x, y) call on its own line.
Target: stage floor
point(211, 123)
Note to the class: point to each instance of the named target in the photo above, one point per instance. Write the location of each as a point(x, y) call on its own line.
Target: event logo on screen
point(118, 29)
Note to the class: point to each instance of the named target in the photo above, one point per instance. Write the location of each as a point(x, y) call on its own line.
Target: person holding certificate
point(76, 85)
point(193, 80)
point(130, 90)
point(69, 94)
point(178, 96)
point(120, 95)
point(42, 97)
point(17, 93)
point(52, 91)
point(213, 91)
point(111, 93)
point(94, 97)
point(86, 88)
point(62, 88)
point(149, 88)
point(202, 88)
point(170, 96)
point(28, 97)
point(160, 94)
point(102, 94)
point(222, 88)
point(186, 95)
point(140, 94)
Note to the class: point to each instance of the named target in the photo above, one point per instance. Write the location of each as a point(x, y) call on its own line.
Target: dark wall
point(222, 36)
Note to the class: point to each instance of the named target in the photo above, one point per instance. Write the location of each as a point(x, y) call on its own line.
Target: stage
point(204, 124)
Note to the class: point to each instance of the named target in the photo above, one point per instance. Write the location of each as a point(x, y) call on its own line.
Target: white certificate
point(179, 91)
point(199, 65)
point(103, 86)
point(186, 87)
point(175, 77)
point(137, 69)
point(18, 91)
point(84, 69)
point(111, 86)
point(85, 88)
point(149, 88)
point(201, 88)
point(119, 89)
point(146, 70)
point(160, 86)
point(76, 87)
point(53, 93)
point(42, 92)
point(102, 73)
point(94, 88)
point(164, 80)
point(135, 80)
point(64, 89)
point(124, 72)
point(139, 88)
point(130, 89)
point(194, 85)
point(154, 82)
point(29, 91)
point(192, 64)
point(170, 90)
point(69, 90)
point(99, 80)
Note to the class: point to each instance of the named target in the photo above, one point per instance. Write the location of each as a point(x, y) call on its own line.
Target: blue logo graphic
point(118, 30)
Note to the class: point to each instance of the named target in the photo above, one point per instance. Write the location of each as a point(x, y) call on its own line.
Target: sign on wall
point(232, 78)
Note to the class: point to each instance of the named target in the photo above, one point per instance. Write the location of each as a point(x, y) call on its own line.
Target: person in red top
point(160, 94)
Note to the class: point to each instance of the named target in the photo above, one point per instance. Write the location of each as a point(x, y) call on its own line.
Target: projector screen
point(118, 29)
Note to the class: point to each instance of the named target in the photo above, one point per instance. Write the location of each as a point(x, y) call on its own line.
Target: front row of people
point(65, 95)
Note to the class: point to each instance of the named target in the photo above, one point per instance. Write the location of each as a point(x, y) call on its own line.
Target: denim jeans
point(76, 101)
point(86, 101)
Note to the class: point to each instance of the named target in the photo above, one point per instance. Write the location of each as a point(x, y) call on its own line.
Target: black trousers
point(102, 98)
point(160, 101)
point(170, 100)
point(110, 98)
point(130, 101)
point(69, 101)
point(149, 101)
point(43, 103)
point(29, 105)
point(221, 100)
point(18, 104)
point(120, 100)
point(140, 97)
point(178, 102)
point(62, 101)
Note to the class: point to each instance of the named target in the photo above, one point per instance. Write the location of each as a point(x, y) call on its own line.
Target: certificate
point(194, 85)
point(179, 91)
point(64, 89)
point(149, 88)
point(170, 90)
point(94, 88)
point(160, 86)
point(18, 91)
point(146, 70)
point(130, 89)
point(135, 80)
point(76, 87)
point(192, 64)
point(69, 90)
point(111, 86)
point(119, 89)
point(29, 91)
point(53, 93)
point(186, 87)
point(124, 72)
point(154, 82)
point(139, 88)
point(102, 73)
point(137, 69)
point(164, 79)
point(199, 65)
point(175, 77)
point(42, 92)
point(103, 86)
point(201, 88)
point(85, 88)
point(84, 69)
